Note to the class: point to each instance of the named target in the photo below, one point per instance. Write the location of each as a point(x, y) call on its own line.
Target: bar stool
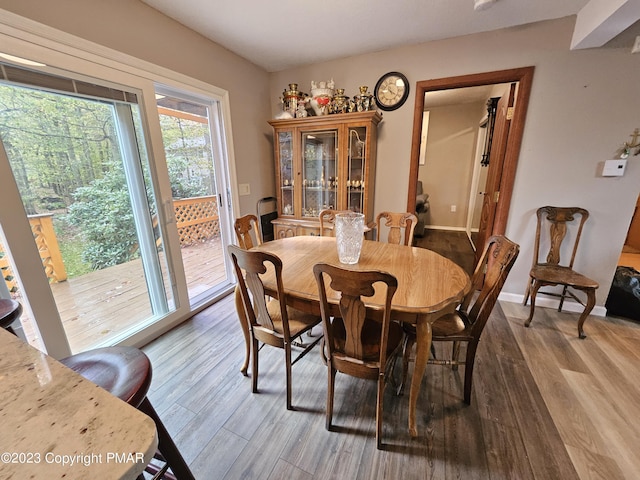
point(126, 373)
point(10, 311)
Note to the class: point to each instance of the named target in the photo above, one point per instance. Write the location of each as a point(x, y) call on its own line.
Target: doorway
point(499, 194)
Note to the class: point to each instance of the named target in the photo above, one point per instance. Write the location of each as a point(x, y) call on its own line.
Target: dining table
point(57, 424)
point(429, 285)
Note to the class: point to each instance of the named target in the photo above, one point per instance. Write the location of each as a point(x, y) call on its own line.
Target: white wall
point(448, 169)
point(584, 104)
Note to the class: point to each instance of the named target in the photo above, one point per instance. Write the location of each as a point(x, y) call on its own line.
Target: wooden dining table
point(429, 285)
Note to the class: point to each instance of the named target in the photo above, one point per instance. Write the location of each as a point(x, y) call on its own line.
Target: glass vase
point(349, 235)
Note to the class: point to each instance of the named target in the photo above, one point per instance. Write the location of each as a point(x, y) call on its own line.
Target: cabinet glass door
point(287, 205)
point(356, 169)
point(319, 174)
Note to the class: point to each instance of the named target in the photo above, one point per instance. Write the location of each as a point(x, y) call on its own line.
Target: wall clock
point(391, 91)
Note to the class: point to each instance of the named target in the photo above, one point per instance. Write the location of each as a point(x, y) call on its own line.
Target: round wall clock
point(391, 91)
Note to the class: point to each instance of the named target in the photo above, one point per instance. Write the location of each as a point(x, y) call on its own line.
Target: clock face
point(391, 91)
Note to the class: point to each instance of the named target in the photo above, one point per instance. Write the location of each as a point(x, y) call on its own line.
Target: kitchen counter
point(56, 424)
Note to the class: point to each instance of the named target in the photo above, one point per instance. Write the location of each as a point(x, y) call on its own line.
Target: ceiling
point(281, 34)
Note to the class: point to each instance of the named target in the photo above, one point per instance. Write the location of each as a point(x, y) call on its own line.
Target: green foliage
point(71, 244)
point(188, 152)
point(65, 155)
point(102, 211)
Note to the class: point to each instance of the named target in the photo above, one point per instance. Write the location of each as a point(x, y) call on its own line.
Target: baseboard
point(569, 306)
point(451, 229)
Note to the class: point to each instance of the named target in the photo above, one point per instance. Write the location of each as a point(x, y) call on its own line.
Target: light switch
point(614, 168)
point(244, 189)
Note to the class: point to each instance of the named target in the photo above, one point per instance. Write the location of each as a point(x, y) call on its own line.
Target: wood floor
point(451, 244)
point(545, 405)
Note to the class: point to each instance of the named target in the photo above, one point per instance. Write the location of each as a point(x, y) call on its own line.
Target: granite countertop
point(56, 424)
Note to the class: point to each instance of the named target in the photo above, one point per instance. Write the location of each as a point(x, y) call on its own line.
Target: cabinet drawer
point(308, 231)
point(284, 231)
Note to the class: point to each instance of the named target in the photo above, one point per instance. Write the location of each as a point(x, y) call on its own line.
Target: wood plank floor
point(451, 244)
point(545, 405)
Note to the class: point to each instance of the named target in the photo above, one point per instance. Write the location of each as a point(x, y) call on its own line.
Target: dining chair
point(559, 230)
point(399, 227)
point(467, 322)
point(244, 226)
point(327, 219)
point(355, 343)
point(271, 321)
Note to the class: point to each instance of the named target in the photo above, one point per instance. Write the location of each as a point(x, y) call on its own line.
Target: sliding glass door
point(190, 129)
point(80, 166)
point(109, 181)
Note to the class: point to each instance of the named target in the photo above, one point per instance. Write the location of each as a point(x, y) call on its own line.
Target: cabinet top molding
point(373, 116)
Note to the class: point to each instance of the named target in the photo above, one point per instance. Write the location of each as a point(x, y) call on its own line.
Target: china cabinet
point(323, 162)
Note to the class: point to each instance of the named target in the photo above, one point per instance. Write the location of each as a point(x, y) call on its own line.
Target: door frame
point(524, 77)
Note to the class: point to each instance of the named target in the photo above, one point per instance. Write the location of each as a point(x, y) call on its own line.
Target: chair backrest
point(327, 221)
point(553, 228)
point(400, 227)
point(352, 285)
point(243, 227)
point(249, 266)
point(496, 261)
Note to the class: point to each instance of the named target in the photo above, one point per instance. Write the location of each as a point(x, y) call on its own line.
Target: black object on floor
point(624, 296)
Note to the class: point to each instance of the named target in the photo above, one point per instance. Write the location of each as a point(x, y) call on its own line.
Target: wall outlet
point(244, 189)
point(453, 208)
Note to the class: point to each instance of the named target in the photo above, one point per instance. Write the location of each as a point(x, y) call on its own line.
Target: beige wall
point(584, 105)
point(448, 169)
point(131, 27)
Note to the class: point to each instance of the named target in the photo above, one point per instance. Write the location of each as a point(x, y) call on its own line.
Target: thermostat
point(614, 168)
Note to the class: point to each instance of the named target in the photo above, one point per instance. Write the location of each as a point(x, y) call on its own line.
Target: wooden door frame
point(524, 77)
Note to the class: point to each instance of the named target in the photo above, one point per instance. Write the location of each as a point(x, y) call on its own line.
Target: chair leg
point(244, 326)
point(287, 360)
point(468, 370)
point(591, 301)
point(331, 381)
point(166, 446)
point(406, 353)
point(454, 355)
point(254, 370)
point(379, 409)
point(526, 294)
point(564, 293)
point(534, 291)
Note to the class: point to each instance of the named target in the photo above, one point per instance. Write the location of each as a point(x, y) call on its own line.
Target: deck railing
point(197, 220)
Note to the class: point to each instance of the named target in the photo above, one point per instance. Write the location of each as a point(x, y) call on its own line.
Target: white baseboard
point(569, 306)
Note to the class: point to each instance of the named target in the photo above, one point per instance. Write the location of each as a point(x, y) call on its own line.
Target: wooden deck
point(98, 307)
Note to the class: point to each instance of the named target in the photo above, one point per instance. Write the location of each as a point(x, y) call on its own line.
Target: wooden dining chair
point(559, 229)
point(356, 344)
point(271, 321)
point(469, 319)
point(327, 219)
point(248, 236)
point(247, 231)
point(399, 227)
